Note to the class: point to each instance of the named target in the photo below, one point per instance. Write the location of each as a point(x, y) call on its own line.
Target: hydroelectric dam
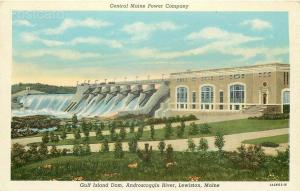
point(142, 97)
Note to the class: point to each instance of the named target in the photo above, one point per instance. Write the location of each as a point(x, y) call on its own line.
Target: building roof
point(240, 69)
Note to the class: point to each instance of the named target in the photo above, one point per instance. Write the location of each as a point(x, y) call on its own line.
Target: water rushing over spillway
point(51, 104)
point(91, 101)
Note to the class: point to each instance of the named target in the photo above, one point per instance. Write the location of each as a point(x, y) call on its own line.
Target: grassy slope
point(275, 139)
point(96, 166)
point(227, 127)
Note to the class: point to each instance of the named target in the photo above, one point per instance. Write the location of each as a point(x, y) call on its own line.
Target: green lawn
point(227, 127)
point(275, 139)
point(104, 167)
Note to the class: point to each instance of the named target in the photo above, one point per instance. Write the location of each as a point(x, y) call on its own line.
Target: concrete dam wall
point(104, 100)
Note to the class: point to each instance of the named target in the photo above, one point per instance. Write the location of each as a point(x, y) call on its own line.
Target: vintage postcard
point(121, 95)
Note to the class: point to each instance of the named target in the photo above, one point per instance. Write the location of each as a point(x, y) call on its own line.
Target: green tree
point(132, 144)
point(168, 130)
point(63, 135)
point(219, 141)
point(191, 145)
point(161, 146)
point(132, 127)
point(122, 133)
point(152, 131)
point(52, 137)
point(181, 129)
point(45, 138)
point(33, 152)
point(54, 151)
point(203, 145)
point(118, 153)
point(99, 135)
point(74, 120)
point(43, 151)
point(77, 135)
point(86, 149)
point(104, 146)
point(169, 154)
point(19, 156)
point(140, 132)
point(193, 130)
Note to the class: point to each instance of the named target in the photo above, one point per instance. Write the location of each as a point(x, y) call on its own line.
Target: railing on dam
point(134, 82)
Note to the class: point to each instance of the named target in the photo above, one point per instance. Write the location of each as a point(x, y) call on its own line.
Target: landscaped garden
point(197, 163)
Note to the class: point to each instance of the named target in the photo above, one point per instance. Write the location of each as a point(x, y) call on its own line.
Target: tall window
point(182, 94)
point(221, 107)
point(193, 100)
point(207, 97)
point(237, 96)
point(286, 101)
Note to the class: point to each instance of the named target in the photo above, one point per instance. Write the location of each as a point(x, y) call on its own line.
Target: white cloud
point(62, 54)
point(142, 31)
point(94, 40)
point(257, 24)
point(220, 41)
point(71, 23)
point(214, 33)
point(31, 37)
point(23, 22)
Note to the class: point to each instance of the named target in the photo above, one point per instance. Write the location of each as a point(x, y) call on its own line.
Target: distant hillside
point(50, 89)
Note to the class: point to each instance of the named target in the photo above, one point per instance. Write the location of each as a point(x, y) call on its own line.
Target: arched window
point(286, 101)
point(182, 97)
point(207, 97)
point(237, 96)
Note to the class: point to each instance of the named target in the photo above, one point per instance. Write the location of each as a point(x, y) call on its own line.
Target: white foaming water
point(50, 104)
point(89, 106)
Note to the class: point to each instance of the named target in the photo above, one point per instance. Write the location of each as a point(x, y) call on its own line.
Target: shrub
point(152, 131)
point(169, 154)
point(132, 145)
point(122, 133)
point(283, 158)
point(45, 138)
point(168, 130)
point(63, 135)
point(219, 141)
point(86, 149)
point(269, 144)
point(105, 146)
point(74, 120)
point(204, 128)
point(118, 153)
point(131, 127)
point(54, 151)
point(140, 132)
point(180, 129)
point(64, 151)
point(191, 145)
point(251, 157)
point(77, 134)
point(203, 145)
point(19, 156)
point(194, 129)
point(145, 155)
point(272, 116)
point(43, 150)
point(77, 150)
point(161, 146)
point(99, 135)
point(33, 152)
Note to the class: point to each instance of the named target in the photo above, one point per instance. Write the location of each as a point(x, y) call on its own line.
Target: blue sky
point(64, 47)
